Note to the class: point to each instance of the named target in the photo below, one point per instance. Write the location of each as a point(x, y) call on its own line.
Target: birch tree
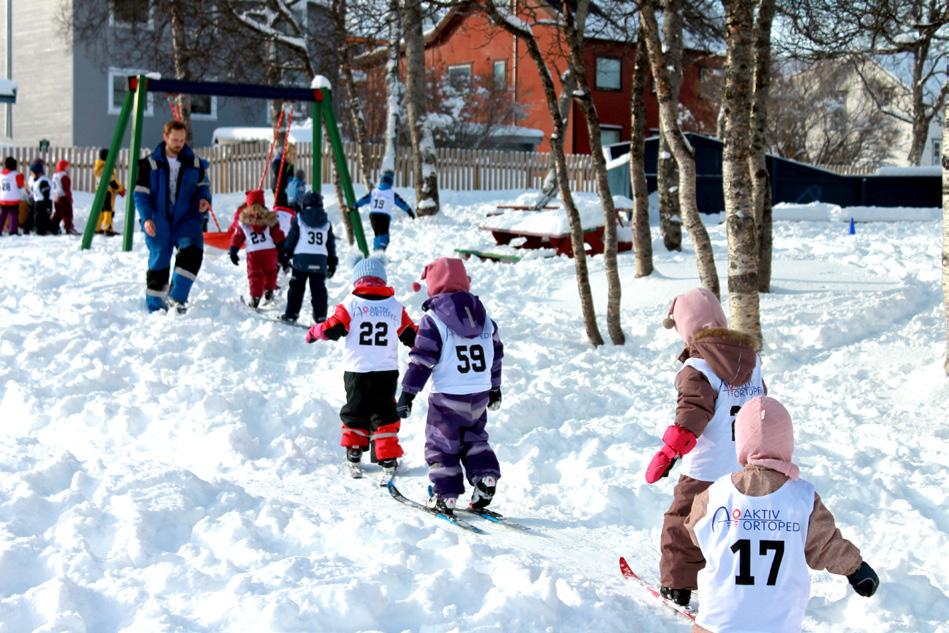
point(670, 216)
point(394, 92)
point(945, 225)
point(736, 179)
point(681, 150)
point(757, 166)
point(424, 160)
point(642, 235)
point(583, 96)
point(520, 29)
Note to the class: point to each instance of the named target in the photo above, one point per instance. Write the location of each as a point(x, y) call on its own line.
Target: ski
point(628, 572)
point(494, 517)
point(464, 525)
point(265, 315)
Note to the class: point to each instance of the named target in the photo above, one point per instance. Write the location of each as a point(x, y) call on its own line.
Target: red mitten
point(315, 333)
point(677, 441)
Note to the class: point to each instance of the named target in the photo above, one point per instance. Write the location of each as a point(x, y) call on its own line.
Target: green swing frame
point(321, 109)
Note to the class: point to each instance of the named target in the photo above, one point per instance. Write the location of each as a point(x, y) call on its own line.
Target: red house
point(466, 43)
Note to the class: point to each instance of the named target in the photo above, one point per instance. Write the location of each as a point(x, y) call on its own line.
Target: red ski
point(628, 572)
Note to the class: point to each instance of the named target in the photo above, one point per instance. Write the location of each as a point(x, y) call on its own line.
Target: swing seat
point(218, 239)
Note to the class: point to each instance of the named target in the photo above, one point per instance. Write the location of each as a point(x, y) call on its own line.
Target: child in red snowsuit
point(259, 230)
point(62, 199)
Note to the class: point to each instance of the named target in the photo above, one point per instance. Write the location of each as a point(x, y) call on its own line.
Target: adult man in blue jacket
point(171, 195)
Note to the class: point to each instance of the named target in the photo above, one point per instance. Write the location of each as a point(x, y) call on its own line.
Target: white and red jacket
point(373, 323)
point(62, 186)
point(11, 188)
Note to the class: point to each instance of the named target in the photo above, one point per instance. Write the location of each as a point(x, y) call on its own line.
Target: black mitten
point(494, 399)
point(864, 581)
point(234, 258)
point(404, 406)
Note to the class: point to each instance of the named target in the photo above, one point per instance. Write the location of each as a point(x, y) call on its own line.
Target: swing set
point(321, 109)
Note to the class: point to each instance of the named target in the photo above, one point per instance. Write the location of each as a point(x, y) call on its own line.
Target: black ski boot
point(679, 596)
point(483, 492)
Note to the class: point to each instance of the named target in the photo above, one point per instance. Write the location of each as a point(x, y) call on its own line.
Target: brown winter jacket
point(825, 548)
point(731, 355)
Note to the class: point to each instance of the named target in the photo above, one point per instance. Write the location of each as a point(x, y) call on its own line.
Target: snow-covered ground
point(182, 473)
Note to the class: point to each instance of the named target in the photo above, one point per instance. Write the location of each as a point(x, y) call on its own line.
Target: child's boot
point(679, 596)
point(483, 492)
point(443, 505)
point(353, 457)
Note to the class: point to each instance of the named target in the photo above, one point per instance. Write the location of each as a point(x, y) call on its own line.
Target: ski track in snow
point(182, 473)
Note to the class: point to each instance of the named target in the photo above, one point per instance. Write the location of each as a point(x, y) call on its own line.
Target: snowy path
point(169, 473)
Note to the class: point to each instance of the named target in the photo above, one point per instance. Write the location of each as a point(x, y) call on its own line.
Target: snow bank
point(182, 473)
point(822, 211)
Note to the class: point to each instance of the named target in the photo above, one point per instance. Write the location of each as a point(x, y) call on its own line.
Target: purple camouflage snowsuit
point(454, 433)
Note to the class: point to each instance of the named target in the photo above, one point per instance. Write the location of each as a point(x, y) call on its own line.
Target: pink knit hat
point(695, 310)
point(764, 436)
point(446, 274)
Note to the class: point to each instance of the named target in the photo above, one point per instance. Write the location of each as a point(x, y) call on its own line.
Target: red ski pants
point(262, 271)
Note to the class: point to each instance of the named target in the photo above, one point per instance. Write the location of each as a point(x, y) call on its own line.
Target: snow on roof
point(302, 133)
point(922, 170)
point(7, 88)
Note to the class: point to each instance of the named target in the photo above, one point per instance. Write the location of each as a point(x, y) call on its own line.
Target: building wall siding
point(43, 70)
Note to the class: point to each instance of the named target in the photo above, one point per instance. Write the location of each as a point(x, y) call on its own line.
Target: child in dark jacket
point(459, 347)
point(721, 372)
point(40, 199)
point(761, 528)
point(311, 248)
point(259, 230)
point(382, 202)
point(373, 323)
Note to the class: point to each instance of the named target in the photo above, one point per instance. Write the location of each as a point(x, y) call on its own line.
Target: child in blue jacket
point(382, 200)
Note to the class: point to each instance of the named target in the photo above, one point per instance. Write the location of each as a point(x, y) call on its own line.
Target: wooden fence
point(238, 167)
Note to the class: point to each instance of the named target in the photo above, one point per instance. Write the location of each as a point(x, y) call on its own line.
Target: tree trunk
point(556, 149)
point(423, 143)
point(583, 97)
point(550, 186)
point(685, 159)
point(178, 36)
point(393, 88)
point(736, 181)
point(642, 236)
point(667, 178)
point(757, 166)
point(945, 226)
point(920, 119)
point(353, 108)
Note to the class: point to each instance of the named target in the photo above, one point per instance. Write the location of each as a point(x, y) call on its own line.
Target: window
point(131, 13)
point(608, 73)
point(610, 134)
point(937, 151)
point(460, 76)
point(118, 86)
point(203, 107)
point(500, 75)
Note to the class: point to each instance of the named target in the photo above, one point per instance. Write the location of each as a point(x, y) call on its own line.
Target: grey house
point(69, 97)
